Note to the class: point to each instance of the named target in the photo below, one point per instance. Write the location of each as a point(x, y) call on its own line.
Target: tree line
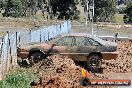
point(62, 9)
point(128, 14)
point(18, 8)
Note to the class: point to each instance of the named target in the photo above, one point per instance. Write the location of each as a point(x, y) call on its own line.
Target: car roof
point(77, 34)
point(95, 37)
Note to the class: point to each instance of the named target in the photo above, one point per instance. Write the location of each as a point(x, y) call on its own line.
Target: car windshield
point(99, 40)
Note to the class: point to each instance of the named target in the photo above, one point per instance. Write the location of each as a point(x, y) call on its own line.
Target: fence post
point(1, 60)
point(16, 38)
point(30, 35)
point(8, 53)
point(1, 47)
point(19, 40)
point(60, 30)
point(16, 48)
point(48, 35)
point(40, 35)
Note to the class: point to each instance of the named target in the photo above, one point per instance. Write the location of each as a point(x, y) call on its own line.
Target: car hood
point(108, 43)
point(103, 42)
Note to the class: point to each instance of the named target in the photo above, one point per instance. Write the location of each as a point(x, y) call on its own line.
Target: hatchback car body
point(77, 46)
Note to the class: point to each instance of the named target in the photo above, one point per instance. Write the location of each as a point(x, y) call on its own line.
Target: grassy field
point(119, 18)
point(27, 22)
point(24, 23)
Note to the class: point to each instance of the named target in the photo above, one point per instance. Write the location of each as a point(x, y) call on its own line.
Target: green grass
point(115, 30)
point(119, 18)
point(20, 78)
point(26, 22)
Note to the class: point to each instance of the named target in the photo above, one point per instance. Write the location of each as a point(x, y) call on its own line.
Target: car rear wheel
point(94, 62)
point(36, 57)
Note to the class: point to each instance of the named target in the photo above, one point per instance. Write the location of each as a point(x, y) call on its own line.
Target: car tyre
point(94, 62)
point(35, 58)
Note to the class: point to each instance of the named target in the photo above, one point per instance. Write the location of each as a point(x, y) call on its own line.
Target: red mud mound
point(59, 72)
point(124, 60)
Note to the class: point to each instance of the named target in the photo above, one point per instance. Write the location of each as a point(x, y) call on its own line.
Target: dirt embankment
point(60, 72)
point(124, 61)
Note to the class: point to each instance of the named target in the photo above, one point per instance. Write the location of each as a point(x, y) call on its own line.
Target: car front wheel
point(36, 57)
point(94, 62)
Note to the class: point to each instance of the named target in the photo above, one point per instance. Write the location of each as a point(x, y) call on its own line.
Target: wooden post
point(16, 44)
point(30, 35)
point(16, 38)
point(1, 67)
point(40, 35)
point(19, 40)
point(8, 55)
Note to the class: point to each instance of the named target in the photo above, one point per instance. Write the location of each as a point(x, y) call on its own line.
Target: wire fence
point(10, 42)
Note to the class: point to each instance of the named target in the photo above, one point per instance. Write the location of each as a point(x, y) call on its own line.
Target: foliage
point(12, 8)
point(104, 10)
point(1, 4)
point(17, 8)
point(60, 8)
point(121, 2)
point(128, 17)
point(18, 79)
point(121, 10)
point(63, 8)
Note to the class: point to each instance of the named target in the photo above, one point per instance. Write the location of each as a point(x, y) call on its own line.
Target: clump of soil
point(124, 61)
point(59, 72)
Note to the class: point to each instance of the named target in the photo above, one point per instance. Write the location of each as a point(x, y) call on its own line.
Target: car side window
point(66, 41)
point(93, 42)
point(81, 41)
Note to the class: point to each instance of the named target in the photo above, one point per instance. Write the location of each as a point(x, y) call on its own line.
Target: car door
point(84, 46)
point(98, 47)
point(65, 46)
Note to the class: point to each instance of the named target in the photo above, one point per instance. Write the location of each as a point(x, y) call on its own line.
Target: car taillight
point(21, 50)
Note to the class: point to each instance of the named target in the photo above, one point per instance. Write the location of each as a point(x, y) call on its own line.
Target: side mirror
point(53, 45)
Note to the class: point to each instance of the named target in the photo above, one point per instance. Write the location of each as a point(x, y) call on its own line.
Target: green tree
point(128, 14)
point(1, 4)
point(63, 8)
point(17, 8)
point(104, 10)
point(12, 8)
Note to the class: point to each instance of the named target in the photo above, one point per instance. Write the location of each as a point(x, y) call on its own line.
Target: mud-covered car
point(77, 46)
